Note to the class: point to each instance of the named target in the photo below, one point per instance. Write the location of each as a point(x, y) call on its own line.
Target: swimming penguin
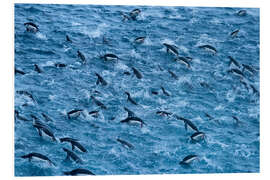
point(205, 84)
point(154, 92)
point(242, 13)
point(163, 113)
point(133, 120)
point(254, 90)
point(160, 68)
point(47, 118)
point(19, 72)
point(233, 61)
point(197, 136)
point(73, 156)
point(26, 93)
point(42, 128)
point(94, 113)
point(173, 75)
point(209, 48)
point(37, 69)
point(60, 65)
point(105, 40)
point(248, 68)
point(32, 155)
point(127, 73)
point(189, 58)
point(36, 120)
point(125, 144)
point(74, 143)
point(68, 39)
point(125, 16)
point(245, 84)
point(208, 116)
point(74, 113)
point(130, 113)
point(140, 39)
point(164, 91)
point(234, 33)
point(81, 56)
point(183, 60)
point(137, 73)
point(171, 48)
point(134, 13)
point(98, 103)
point(236, 72)
point(18, 116)
point(100, 80)
point(109, 57)
point(236, 120)
point(188, 159)
point(78, 171)
point(31, 27)
point(130, 99)
point(187, 123)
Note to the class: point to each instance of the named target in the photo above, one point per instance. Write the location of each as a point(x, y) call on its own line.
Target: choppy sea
point(232, 137)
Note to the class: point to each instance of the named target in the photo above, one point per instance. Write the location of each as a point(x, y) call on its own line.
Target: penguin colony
point(239, 71)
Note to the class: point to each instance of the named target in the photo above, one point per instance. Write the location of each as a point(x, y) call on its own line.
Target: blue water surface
point(160, 144)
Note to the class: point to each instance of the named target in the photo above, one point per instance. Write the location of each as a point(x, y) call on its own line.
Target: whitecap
point(75, 23)
point(133, 53)
point(230, 96)
point(41, 36)
point(52, 97)
point(121, 66)
point(219, 107)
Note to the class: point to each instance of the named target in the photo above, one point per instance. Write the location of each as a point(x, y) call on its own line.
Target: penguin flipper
point(67, 158)
point(39, 132)
point(186, 126)
point(73, 147)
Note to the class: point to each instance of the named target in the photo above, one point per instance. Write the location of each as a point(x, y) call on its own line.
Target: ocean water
point(229, 146)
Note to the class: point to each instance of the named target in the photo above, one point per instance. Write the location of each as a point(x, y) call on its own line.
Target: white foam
point(219, 107)
point(52, 97)
point(62, 111)
point(206, 39)
point(108, 73)
point(242, 150)
point(196, 60)
point(148, 42)
point(121, 66)
point(193, 20)
point(146, 14)
point(95, 32)
point(67, 49)
point(75, 24)
point(210, 140)
point(254, 112)
point(114, 152)
point(145, 130)
point(215, 21)
point(183, 48)
point(86, 93)
point(41, 36)
point(133, 53)
point(184, 79)
point(168, 41)
point(49, 82)
point(48, 63)
point(230, 96)
point(211, 163)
